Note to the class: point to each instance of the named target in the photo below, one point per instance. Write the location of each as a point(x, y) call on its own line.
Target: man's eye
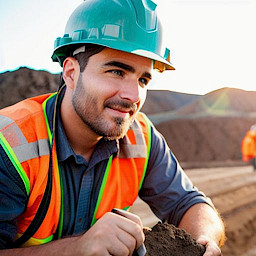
point(143, 81)
point(117, 72)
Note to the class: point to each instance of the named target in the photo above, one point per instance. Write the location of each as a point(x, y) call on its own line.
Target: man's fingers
point(212, 249)
point(132, 227)
point(128, 240)
point(128, 215)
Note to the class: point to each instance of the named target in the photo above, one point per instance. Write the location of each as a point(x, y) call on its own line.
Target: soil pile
point(198, 142)
point(24, 83)
point(167, 240)
point(163, 100)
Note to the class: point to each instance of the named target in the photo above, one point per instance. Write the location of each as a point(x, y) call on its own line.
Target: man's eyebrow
point(120, 65)
point(126, 67)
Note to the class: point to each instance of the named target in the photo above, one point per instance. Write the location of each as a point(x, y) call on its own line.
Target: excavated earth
point(167, 240)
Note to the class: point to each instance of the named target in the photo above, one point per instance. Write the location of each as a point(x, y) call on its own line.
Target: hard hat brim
point(160, 63)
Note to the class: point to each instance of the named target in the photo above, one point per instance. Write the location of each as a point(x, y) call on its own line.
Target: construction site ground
point(233, 191)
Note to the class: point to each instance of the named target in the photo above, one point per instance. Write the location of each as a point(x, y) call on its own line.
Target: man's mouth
point(122, 112)
point(122, 108)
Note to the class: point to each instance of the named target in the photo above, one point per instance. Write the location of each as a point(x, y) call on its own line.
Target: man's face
point(110, 91)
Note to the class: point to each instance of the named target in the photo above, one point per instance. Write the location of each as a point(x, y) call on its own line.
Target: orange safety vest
point(27, 140)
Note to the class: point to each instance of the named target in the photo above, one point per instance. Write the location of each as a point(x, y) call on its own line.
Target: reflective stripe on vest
point(25, 136)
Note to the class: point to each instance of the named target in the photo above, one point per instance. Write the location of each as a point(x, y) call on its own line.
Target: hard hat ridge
point(145, 14)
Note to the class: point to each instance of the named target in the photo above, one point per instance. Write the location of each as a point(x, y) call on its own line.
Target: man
point(69, 158)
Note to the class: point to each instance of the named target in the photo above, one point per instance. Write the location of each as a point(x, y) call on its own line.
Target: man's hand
point(205, 225)
point(212, 249)
point(112, 235)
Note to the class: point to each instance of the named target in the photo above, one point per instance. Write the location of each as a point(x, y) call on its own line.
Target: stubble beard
point(85, 105)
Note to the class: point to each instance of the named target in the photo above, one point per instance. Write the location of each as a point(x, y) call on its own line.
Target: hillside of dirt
point(200, 141)
point(210, 129)
point(161, 101)
point(222, 101)
point(24, 83)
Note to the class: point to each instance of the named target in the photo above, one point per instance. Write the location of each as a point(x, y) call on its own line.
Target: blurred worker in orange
point(249, 146)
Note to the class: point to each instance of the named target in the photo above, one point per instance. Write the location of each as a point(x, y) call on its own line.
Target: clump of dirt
point(167, 240)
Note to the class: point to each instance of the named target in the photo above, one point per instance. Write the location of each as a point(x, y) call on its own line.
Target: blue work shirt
point(166, 188)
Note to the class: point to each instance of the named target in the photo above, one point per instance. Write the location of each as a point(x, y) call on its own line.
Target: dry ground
point(232, 190)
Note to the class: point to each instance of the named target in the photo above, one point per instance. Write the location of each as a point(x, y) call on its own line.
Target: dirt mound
point(206, 139)
point(159, 101)
point(24, 83)
point(167, 240)
point(222, 101)
point(209, 129)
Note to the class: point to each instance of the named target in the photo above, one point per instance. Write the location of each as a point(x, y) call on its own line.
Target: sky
point(212, 42)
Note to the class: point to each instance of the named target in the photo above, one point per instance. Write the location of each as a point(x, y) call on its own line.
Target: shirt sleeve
point(13, 200)
point(166, 188)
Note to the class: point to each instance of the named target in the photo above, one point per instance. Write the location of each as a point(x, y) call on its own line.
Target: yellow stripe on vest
point(35, 241)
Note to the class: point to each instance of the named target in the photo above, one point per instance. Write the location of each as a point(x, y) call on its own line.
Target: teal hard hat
point(127, 25)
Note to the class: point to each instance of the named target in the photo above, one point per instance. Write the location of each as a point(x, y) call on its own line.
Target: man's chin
point(115, 136)
point(119, 129)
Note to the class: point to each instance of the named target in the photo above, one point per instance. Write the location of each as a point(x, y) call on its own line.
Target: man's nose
point(130, 91)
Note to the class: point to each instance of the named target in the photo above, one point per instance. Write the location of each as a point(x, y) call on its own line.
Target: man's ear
point(71, 71)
